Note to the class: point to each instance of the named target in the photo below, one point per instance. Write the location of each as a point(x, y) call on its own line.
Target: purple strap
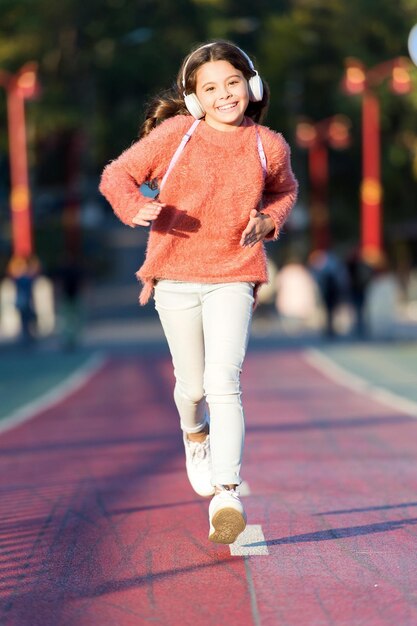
point(178, 151)
point(261, 153)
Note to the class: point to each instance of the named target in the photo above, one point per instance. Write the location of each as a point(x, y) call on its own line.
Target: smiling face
point(223, 93)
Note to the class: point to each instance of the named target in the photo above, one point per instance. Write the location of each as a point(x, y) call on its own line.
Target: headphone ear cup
point(193, 105)
point(256, 88)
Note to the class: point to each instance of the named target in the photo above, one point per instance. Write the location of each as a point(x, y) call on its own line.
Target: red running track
point(100, 527)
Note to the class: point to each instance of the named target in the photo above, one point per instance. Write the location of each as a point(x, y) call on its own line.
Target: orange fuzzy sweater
point(209, 194)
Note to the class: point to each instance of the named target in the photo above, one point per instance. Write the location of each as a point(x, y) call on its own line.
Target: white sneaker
point(227, 517)
point(198, 465)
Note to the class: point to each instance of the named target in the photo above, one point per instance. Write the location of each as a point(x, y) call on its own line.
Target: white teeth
point(226, 107)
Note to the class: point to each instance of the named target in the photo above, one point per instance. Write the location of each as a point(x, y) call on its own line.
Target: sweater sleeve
point(145, 160)
point(281, 187)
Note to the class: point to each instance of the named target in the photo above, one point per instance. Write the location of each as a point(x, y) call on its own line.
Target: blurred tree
point(302, 52)
point(100, 60)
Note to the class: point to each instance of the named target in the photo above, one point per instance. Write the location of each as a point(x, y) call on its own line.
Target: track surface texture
point(99, 526)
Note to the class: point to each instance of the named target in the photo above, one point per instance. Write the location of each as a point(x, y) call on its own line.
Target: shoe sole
point(226, 526)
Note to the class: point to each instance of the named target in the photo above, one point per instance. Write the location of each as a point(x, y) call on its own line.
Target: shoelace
point(199, 451)
point(228, 492)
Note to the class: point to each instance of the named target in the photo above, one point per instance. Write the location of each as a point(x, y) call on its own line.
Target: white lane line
point(250, 542)
point(252, 594)
point(60, 392)
point(343, 377)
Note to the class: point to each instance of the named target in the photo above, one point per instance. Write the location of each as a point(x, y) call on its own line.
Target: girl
point(225, 185)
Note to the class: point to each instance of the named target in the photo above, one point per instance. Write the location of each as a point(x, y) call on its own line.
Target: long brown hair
point(171, 102)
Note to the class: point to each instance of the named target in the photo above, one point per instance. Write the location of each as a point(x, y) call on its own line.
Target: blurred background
point(74, 79)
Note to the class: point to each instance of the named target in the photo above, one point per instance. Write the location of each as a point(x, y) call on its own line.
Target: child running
point(225, 186)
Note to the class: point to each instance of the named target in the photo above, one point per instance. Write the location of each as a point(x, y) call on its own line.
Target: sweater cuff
point(127, 213)
point(274, 232)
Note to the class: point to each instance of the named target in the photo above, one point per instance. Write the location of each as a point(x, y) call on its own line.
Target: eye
point(209, 89)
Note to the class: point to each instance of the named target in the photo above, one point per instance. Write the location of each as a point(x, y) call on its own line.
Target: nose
point(225, 93)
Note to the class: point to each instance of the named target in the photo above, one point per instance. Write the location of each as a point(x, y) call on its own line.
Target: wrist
point(268, 222)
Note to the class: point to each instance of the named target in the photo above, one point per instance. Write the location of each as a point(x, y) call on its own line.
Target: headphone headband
point(208, 45)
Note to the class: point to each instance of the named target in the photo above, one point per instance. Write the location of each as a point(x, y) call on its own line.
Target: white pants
point(207, 328)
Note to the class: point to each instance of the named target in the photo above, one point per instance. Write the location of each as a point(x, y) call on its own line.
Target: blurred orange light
point(20, 198)
point(371, 191)
point(306, 134)
point(400, 82)
point(355, 79)
point(27, 79)
point(26, 83)
point(338, 132)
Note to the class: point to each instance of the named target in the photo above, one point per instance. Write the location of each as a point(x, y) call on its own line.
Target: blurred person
point(220, 196)
point(70, 276)
point(330, 276)
point(382, 299)
point(265, 296)
point(296, 299)
point(359, 276)
point(23, 271)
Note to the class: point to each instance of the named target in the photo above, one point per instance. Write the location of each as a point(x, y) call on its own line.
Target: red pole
point(20, 195)
point(319, 176)
point(371, 191)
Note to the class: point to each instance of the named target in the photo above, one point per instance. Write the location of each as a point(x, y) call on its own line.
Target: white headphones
point(256, 88)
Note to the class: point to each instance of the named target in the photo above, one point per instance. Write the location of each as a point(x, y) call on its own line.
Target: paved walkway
point(100, 527)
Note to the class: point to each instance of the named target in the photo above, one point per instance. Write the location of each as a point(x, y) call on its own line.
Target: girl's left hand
point(259, 226)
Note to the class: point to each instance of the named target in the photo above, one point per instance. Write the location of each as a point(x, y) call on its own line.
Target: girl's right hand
point(148, 213)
